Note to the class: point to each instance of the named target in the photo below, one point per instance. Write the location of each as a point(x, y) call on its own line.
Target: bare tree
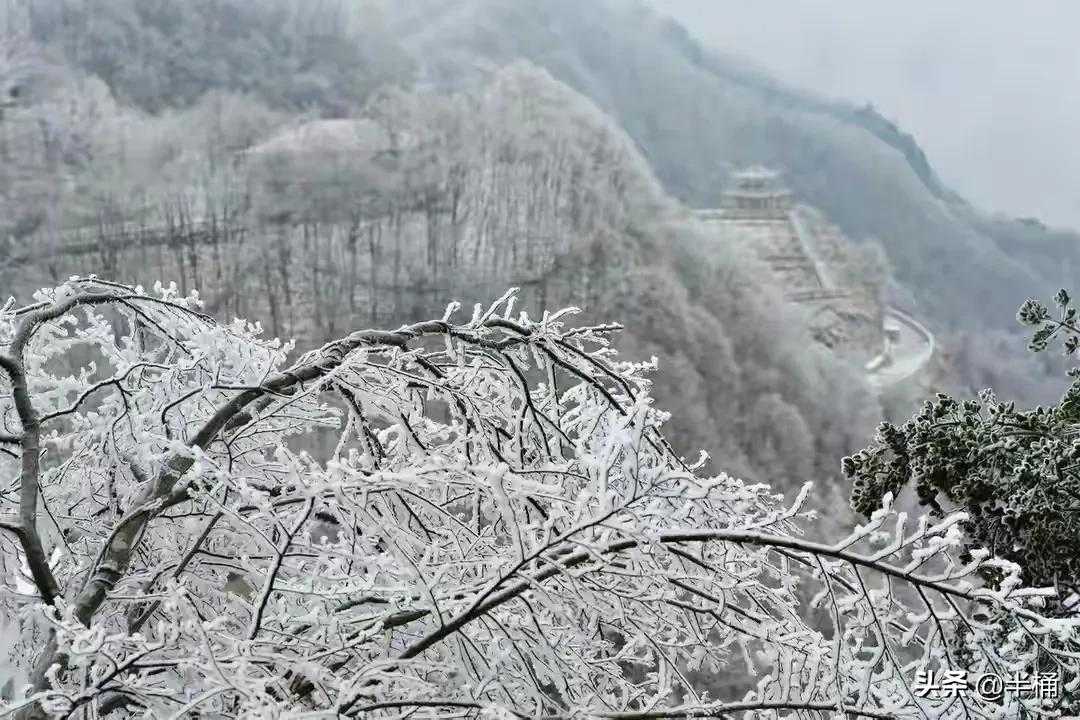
point(496, 526)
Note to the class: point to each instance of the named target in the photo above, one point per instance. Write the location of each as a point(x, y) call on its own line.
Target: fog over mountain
point(461, 359)
point(994, 107)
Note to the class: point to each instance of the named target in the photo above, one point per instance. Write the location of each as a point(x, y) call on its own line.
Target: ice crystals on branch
point(450, 518)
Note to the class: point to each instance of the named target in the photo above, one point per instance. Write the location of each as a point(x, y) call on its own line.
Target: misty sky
point(990, 88)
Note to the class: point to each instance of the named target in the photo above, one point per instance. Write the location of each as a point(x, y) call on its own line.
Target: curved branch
point(162, 493)
point(736, 536)
point(29, 481)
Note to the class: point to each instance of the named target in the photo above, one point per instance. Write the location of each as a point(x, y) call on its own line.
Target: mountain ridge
point(736, 69)
point(695, 123)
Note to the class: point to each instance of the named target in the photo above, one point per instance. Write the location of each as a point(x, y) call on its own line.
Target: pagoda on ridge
point(756, 192)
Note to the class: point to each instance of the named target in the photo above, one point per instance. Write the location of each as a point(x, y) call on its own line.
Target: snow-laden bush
point(454, 518)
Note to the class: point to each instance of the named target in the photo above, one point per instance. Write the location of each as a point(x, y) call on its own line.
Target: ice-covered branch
point(450, 517)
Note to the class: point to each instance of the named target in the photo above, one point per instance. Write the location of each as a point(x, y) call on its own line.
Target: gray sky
point(990, 88)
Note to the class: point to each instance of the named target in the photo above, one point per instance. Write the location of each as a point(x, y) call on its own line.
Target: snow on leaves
point(447, 519)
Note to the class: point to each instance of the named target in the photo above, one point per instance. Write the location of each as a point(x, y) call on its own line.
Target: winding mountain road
point(908, 349)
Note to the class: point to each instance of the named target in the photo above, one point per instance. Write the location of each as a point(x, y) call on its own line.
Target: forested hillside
point(696, 113)
point(147, 110)
point(327, 220)
point(379, 482)
point(161, 104)
point(157, 54)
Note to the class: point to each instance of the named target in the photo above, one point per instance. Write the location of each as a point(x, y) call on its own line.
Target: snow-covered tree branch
point(453, 518)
